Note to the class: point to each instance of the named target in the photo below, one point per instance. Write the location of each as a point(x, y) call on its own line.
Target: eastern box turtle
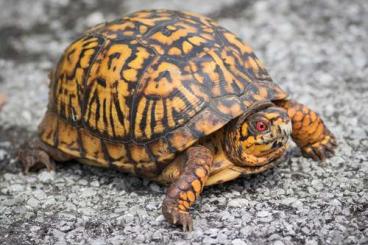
point(173, 97)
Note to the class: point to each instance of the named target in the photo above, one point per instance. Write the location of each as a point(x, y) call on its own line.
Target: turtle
point(173, 97)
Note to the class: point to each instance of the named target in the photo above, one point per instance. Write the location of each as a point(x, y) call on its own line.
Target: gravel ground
point(316, 50)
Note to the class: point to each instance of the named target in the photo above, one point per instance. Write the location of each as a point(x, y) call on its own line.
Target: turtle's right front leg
point(34, 155)
point(183, 192)
point(309, 131)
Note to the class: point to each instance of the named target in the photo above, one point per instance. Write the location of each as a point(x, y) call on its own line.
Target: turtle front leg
point(183, 192)
point(35, 155)
point(309, 132)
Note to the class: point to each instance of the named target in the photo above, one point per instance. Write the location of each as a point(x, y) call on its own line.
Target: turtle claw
point(176, 216)
point(174, 220)
point(186, 222)
point(33, 157)
point(321, 150)
point(184, 219)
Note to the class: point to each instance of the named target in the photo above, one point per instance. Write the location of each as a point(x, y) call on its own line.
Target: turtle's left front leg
point(183, 192)
point(309, 132)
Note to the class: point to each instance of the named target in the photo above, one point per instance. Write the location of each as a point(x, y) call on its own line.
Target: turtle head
point(259, 136)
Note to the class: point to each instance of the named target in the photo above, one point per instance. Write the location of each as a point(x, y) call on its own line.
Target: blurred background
point(316, 50)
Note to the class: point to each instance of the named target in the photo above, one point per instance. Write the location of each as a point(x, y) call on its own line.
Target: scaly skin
point(309, 132)
point(183, 192)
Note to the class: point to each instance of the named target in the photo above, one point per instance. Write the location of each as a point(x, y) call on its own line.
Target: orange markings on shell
point(160, 149)
point(68, 137)
point(182, 138)
point(139, 153)
point(47, 128)
point(147, 169)
point(229, 106)
point(93, 149)
point(174, 51)
point(212, 122)
point(117, 151)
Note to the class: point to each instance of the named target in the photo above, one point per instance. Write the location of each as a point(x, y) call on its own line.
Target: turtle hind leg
point(35, 155)
point(309, 132)
point(183, 192)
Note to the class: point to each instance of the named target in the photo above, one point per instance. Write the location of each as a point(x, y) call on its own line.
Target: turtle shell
point(156, 79)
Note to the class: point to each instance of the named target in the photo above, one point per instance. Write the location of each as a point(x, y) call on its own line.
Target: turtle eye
point(261, 126)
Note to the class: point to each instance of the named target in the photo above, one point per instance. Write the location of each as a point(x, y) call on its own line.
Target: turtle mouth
point(266, 158)
point(275, 151)
point(276, 159)
point(276, 146)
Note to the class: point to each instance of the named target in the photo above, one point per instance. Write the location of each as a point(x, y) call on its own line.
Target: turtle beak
point(286, 129)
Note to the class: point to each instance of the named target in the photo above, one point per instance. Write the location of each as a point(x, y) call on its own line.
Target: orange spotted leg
point(184, 191)
point(309, 132)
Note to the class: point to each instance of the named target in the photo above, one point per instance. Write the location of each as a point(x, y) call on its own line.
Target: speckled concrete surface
point(316, 50)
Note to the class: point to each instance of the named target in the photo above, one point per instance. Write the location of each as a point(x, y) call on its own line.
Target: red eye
point(261, 126)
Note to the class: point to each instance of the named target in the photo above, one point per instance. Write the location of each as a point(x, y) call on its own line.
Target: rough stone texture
point(317, 50)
